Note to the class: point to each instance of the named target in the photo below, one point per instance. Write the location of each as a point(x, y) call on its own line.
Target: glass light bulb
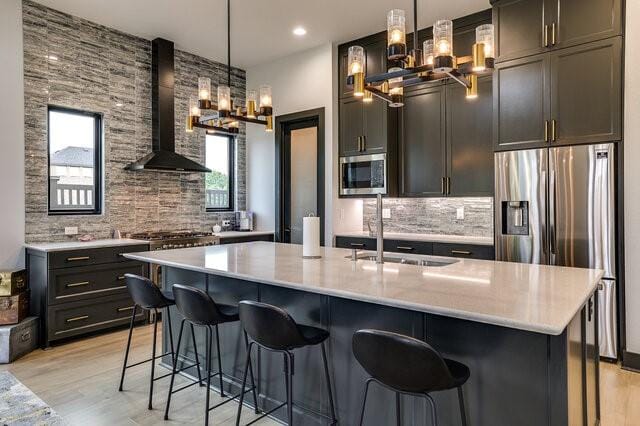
point(224, 98)
point(427, 52)
point(443, 37)
point(265, 96)
point(194, 108)
point(355, 60)
point(485, 35)
point(396, 34)
point(204, 88)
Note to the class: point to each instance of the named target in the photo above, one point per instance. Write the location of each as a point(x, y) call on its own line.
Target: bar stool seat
point(407, 366)
point(313, 335)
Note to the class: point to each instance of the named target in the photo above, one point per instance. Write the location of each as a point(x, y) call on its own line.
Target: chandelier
point(435, 61)
point(222, 116)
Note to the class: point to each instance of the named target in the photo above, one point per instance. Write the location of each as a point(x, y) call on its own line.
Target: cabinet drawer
point(95, 256)
point(409, 247)
point(356, 243)
point(246, 239)
point(80, 317)
point(87, 282)
point(468, 251)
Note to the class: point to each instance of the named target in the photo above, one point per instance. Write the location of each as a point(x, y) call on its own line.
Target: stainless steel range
point(177, 239)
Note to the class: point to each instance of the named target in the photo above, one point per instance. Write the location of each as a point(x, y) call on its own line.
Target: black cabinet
point(422, 143)
point(551, 99)
point(470, 156)
point(528, 27)
point(358, 243)
point(467, 251)
point(351, 126)
point(364, 127)
point(247, 238)
point(408, 247)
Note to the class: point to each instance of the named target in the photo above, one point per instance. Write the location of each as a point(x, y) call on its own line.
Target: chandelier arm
point(460, 79)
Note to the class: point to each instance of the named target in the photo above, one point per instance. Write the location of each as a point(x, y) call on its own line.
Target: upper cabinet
point(549, 99)
point(363, 127)
point(529, 27)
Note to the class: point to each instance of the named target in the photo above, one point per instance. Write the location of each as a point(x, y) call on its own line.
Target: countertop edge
point(430, 238)
point(81, 245)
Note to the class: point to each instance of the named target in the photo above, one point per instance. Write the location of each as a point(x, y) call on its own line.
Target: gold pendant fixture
point(223, 116)
point(435, 62)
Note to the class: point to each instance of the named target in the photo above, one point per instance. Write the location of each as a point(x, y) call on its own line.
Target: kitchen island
point(527, 332)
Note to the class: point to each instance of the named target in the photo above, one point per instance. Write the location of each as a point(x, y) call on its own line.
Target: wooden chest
point(14, 309)
point(13, 282)
point(19, 339)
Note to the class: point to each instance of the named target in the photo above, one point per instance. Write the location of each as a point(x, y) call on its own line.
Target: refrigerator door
point(582, 207)
point(521, 206)
point(607, 319)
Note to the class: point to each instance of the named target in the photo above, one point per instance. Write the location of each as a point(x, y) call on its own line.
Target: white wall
point(632, 175)
point(11, 136)
point(299, 82)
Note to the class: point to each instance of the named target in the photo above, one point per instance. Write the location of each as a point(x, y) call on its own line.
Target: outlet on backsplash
point(460, 213)
point(386, 213)
point(70, 230)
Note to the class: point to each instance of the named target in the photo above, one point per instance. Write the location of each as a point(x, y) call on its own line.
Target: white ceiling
point(261, 29)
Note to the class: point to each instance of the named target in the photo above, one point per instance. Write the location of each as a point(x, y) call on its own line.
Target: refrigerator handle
point(545, 244)
point(552, 216)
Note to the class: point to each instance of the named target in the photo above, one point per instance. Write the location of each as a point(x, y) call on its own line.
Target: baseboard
point(631, 361)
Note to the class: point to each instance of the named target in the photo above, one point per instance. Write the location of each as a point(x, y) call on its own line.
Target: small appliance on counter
point(244, 221)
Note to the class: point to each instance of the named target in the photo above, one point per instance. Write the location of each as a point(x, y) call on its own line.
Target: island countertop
point(537, 298)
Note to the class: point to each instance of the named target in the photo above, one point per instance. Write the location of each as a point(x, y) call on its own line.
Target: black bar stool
point(197, 308)
point(407, 366)
point(147, 296)
point(273, 329)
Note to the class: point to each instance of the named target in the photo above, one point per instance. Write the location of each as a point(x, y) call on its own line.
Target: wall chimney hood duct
point(163, 156)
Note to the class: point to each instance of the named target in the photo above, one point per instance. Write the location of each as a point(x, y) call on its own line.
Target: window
point(74, 161)
point(219, 183)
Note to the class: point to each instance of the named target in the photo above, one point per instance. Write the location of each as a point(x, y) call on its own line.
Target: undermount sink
point(407, 260)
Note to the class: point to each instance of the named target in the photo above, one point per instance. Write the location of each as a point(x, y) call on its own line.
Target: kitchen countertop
point(536, 298)
point(434, 238)
point(78, 245)
point(236, 234)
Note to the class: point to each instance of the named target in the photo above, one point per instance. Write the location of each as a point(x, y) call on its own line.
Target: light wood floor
point(80, 380)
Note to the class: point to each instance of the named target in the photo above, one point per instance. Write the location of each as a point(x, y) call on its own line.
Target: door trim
point(314, 117)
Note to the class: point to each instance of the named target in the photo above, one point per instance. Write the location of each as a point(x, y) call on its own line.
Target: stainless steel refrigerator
point(556, 206)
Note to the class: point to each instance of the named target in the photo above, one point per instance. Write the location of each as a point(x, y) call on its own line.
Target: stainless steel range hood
point(163, 156)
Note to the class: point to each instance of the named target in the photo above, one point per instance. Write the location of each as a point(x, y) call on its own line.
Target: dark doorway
point(299, 173)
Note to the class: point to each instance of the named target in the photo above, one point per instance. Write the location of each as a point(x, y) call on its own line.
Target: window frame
point(97, 171)
point(232, 174)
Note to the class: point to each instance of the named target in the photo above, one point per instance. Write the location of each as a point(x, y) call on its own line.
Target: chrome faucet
point(379, 231)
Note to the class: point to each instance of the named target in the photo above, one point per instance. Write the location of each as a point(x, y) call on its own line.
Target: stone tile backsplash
point(435, 215)
point(97, 68)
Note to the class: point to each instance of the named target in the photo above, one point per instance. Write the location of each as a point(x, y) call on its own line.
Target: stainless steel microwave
point(363, 174)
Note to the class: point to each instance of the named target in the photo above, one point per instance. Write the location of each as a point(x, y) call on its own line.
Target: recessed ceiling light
point(299, 31)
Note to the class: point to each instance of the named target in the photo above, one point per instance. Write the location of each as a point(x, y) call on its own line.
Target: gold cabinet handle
point(448, 185)
point(77, 259)
point(546, 130)
point(545, 36)
point(364, 143)
point(464, 252)
point(442, 186)
point(80, 318)
point(404, 248)
point(553, 34)
point(357, 245)
point(121, 278)
point(80, 284)
point(554, 130)
point(128, 308)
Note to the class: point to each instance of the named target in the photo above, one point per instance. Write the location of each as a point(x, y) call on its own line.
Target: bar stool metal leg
point(244, 382)
point(219, 362)
point(173, 371)
point(326, 373)
point(398, 420)
point(253, 383)
point(126, 353)
point(463, 413)
point(168, 325)
point(364, 400)
point(208, 362)
point(195, 351)
point(153, 359)
point(288, 372)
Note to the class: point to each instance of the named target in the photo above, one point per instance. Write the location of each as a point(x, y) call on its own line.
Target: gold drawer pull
point(466, 253)
point(80, 284)
point(404, 248)
point(121, 278)
point(76, 259)
point(129, 308)
point(357, 245)
point(80, 318)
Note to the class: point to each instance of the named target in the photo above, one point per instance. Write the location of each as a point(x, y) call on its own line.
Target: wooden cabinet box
point(14, 309)
point(12, 282)
point(18, 339)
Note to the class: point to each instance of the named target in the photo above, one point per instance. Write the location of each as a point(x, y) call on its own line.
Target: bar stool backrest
point(144, 292)
point(270, 326)
point(401, 362)
point(196, 305)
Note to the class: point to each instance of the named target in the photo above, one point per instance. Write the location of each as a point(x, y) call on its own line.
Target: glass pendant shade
point(204, 88)
point(194, 107)
point(252, 101)
point(485, 35)
point(355, 60)
point(427, 52)
point(265, 97)
point(396, 34)
point(224, 98)
point(443, 37)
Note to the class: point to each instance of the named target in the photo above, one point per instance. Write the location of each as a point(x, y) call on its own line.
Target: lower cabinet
point(81, 291)
point(469, 251)
point(246, 239)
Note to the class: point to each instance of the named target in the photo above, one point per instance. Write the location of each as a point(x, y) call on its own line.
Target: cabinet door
point(375, 126)
point(469, 141)
point(345, 90)
point(422, 143)
point(587, 105)
point(521, 103)
point(581, 21)
point(519, 28)
point(351, 126)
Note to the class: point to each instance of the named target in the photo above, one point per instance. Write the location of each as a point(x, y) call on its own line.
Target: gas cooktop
point(165, 240)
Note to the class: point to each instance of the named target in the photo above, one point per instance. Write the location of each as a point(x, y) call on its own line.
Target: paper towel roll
point(311, 236)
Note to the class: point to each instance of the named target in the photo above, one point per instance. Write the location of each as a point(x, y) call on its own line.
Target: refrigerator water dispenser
point(515, 218)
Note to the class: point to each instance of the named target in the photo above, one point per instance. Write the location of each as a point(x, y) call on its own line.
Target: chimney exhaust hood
point(163, 156)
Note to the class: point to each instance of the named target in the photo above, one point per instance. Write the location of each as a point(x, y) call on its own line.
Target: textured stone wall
point(435, 215)
point(97, 68)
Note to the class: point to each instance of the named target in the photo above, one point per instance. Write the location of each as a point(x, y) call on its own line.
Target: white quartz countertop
point(536, 298)
point(236, 234)
point(433, 238)
point(76, 245)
